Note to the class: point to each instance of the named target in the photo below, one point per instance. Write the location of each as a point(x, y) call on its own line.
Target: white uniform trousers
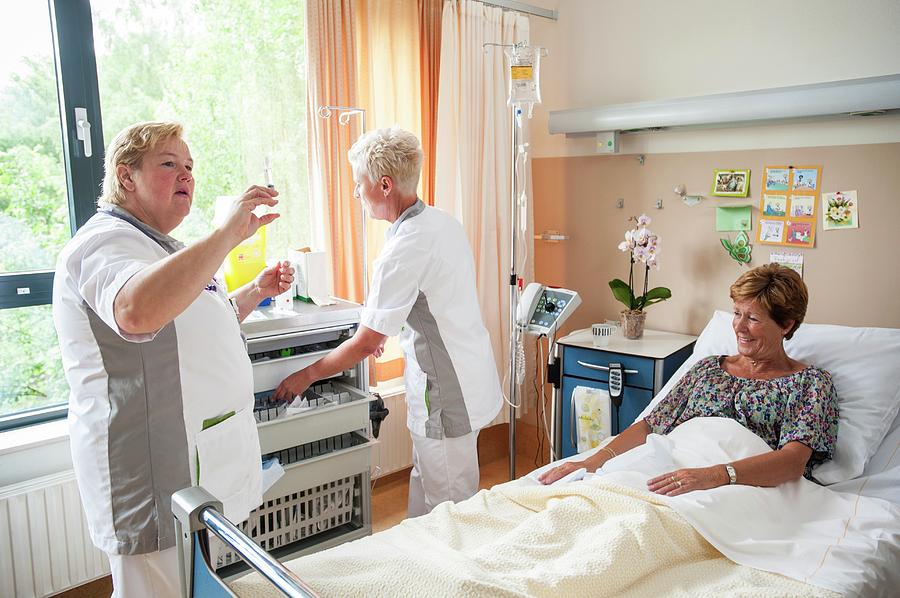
point(144, 575)
point(445, 469)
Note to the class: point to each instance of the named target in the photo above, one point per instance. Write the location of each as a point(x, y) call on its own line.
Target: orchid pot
point(643, 247)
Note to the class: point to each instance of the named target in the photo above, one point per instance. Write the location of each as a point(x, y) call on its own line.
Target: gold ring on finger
point(678, 483)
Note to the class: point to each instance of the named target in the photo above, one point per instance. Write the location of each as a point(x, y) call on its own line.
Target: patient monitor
point(542, 310)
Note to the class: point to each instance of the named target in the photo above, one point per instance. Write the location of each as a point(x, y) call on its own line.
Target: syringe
point(270, 181)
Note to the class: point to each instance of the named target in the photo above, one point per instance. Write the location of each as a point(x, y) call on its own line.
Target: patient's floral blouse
point(801, 406)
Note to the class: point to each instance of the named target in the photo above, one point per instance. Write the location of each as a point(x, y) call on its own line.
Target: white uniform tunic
point(138, 402)
point(423, 287)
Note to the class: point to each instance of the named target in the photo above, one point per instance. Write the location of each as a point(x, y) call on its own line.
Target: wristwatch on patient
point(732, 474)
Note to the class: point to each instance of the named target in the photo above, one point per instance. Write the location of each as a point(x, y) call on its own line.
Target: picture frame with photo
point(731, 183)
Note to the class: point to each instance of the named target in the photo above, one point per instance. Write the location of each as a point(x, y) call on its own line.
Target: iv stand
point(344, 114)
point(513, 298)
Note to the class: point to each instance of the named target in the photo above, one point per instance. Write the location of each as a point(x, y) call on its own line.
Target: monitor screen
point(549, 306)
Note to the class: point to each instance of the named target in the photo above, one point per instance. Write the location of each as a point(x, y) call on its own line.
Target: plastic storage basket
point(283, 521)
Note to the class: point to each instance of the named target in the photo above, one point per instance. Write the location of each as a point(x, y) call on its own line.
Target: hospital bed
point(606, 536)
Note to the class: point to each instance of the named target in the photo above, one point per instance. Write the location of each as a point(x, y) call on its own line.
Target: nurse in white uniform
point(423, 288)
point(161, 385)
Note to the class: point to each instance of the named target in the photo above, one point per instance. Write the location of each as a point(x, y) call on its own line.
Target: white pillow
point(864, 364)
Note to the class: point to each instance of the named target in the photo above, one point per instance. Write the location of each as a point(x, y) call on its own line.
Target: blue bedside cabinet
point(648, 363)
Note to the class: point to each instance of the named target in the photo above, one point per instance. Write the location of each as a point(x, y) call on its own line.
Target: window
point(234, 77)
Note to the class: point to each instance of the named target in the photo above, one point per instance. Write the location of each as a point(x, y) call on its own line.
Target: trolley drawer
point(318, 423)
point(323, 469)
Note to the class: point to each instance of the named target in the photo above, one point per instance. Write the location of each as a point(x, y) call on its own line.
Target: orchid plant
point(643, 247)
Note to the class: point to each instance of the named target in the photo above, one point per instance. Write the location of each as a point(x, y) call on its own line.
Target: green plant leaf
point(658, 294)
point(622, 292)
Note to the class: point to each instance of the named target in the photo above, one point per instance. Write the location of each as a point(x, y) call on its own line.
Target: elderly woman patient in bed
point(790, 405)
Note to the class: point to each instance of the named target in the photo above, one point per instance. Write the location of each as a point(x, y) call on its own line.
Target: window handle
point(83, 130)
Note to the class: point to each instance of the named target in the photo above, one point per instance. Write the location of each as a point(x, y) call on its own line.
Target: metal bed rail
point(196, 510)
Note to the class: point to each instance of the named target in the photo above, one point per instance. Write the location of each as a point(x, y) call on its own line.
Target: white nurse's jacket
point(138, 403)
point(423, 288)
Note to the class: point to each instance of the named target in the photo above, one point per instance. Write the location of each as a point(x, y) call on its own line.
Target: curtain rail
point(524, 8)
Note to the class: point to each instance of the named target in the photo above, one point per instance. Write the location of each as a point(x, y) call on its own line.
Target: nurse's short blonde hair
point(778, 290)
point(129, 147)
point(391, 152)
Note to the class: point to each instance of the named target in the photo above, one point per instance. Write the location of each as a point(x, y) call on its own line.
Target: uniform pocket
point(230, 465)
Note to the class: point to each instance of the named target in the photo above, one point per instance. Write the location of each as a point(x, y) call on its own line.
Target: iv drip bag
point(523, 64)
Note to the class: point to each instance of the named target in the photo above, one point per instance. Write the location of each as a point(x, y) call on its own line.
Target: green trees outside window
point(232, 71)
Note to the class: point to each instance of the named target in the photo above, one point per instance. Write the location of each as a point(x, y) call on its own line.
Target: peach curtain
point(332, 80)
point(474, 155)
point(397, 53)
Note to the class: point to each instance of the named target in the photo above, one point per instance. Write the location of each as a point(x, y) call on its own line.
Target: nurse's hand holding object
point(361, 345)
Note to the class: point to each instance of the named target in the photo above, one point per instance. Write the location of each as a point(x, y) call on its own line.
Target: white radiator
point(45, 547)
point(393, 451)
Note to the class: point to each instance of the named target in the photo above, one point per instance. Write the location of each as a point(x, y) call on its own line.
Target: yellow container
point(246, 260)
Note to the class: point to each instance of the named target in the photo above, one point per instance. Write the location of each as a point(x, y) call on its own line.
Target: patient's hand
point(550, 476)
point(686, 480)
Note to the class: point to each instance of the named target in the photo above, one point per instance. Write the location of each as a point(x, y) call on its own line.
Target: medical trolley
point(323, 442)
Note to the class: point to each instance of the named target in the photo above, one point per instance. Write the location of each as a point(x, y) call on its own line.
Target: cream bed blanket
point(592, 538)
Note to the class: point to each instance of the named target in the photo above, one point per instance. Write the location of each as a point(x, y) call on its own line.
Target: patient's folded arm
point(777, 467)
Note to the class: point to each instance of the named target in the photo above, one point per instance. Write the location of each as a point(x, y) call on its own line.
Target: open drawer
point(277, 356)
point(348, 413)
point(324, 468)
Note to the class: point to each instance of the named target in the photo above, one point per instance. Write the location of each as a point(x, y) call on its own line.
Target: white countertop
point(654, 343)
point(264, 321)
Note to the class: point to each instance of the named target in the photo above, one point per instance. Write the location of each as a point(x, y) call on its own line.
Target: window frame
point(76, 83)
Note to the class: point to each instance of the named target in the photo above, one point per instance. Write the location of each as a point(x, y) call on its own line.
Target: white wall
point(617, 51)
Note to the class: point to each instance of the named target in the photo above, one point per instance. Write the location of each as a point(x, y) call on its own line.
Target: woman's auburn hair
point(777, 289)
point(129, 147)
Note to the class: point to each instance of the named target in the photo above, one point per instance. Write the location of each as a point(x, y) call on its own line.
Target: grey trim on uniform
point(147, 438)
point(410, 212)
point(447, 413)
point(170, 244)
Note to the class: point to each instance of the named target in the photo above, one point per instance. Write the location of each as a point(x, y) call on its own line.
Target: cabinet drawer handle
point(603, 368)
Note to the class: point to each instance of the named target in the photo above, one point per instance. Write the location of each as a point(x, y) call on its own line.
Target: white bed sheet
point(881, 478)
point(840, 540)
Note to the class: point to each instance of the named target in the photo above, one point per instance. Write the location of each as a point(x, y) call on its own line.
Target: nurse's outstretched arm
point(364, 343)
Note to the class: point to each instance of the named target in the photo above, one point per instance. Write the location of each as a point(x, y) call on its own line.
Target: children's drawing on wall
point(775, 205)
point(840, 210)
point(794, 261)
point(771, 231)
point(803, 206)
point(805, 179)
point(777, 179)
point(731, 183)
point(789, 218)
point(799, 233)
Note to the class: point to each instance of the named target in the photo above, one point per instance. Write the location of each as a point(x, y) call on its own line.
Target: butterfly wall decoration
point(740, 249)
